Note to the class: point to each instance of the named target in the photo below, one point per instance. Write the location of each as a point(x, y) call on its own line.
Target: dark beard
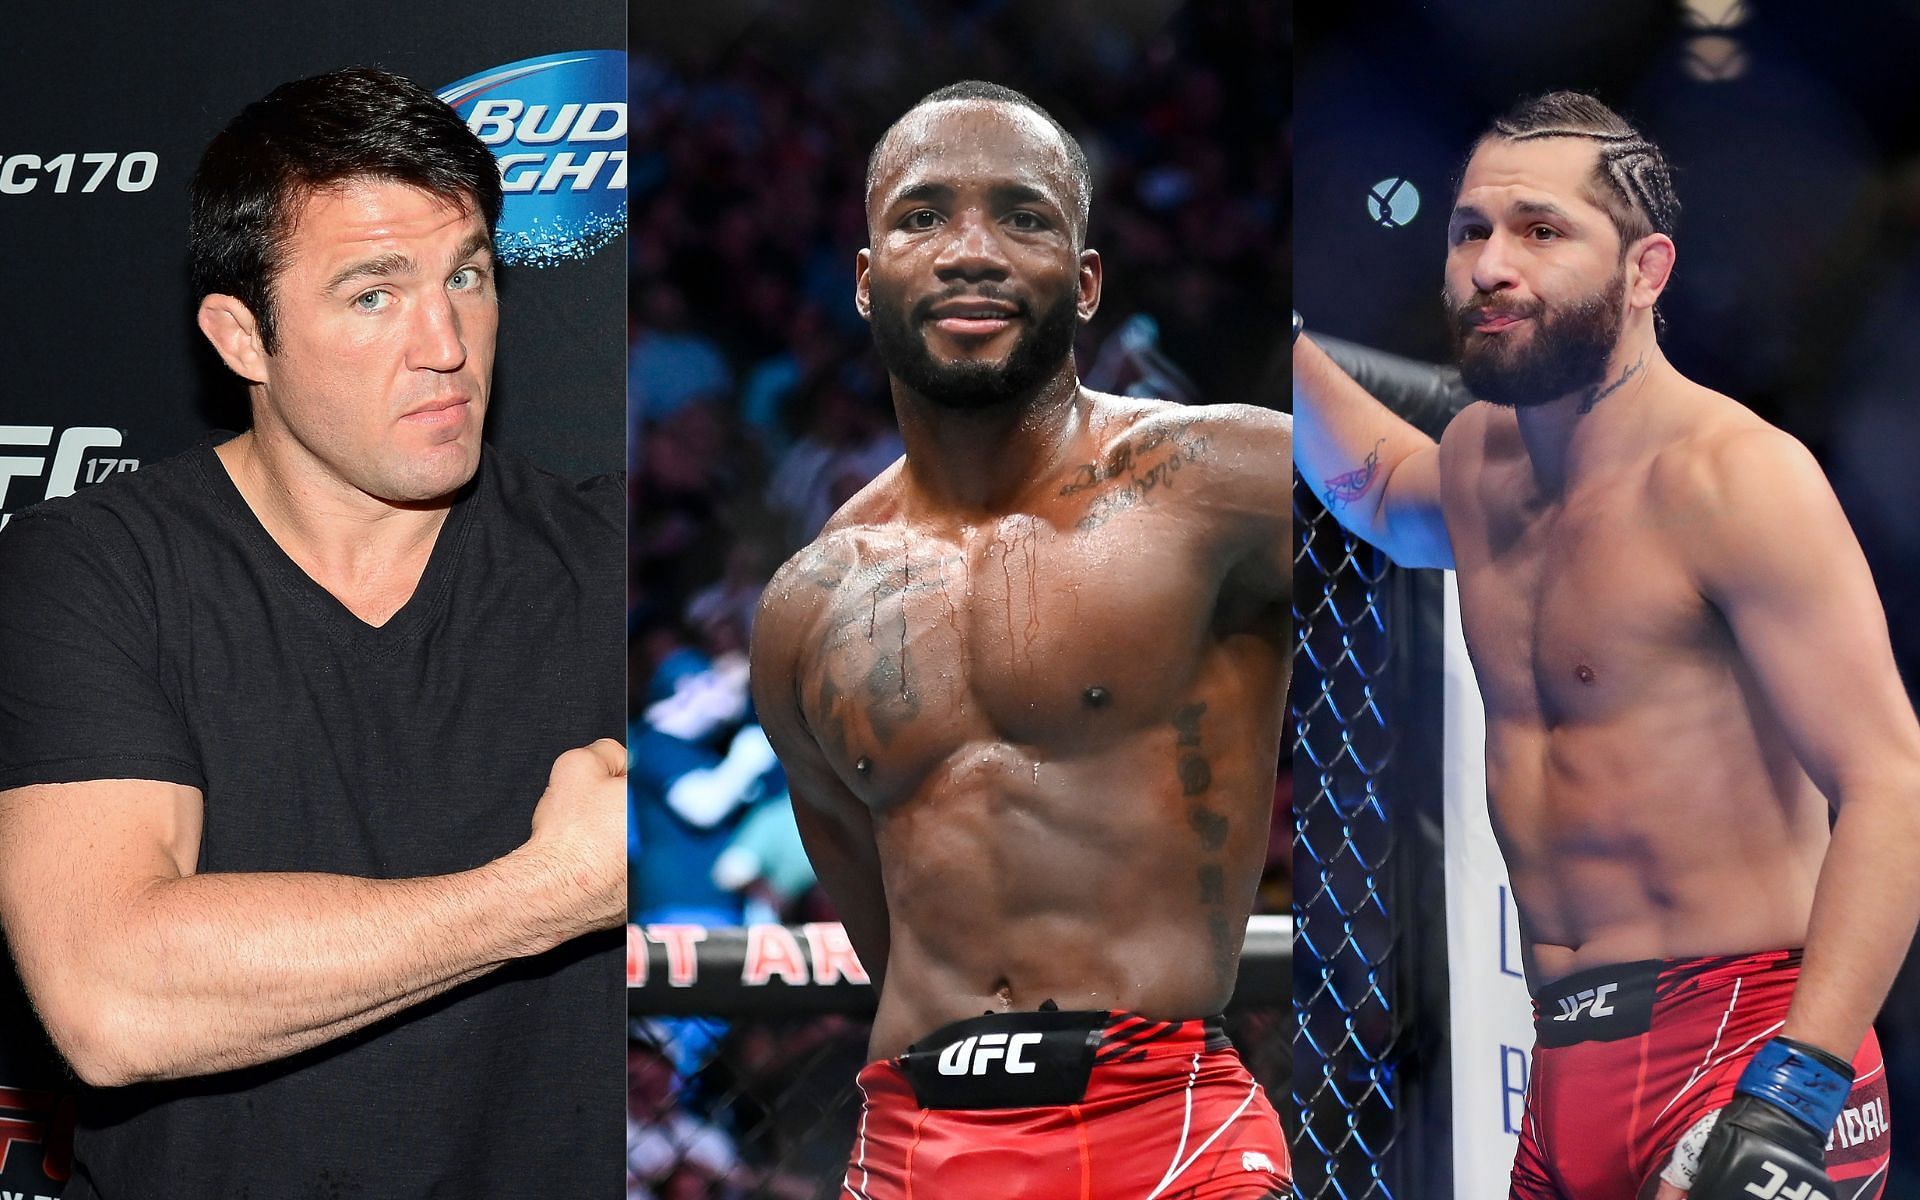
point(902, 346)
point(1568, 352)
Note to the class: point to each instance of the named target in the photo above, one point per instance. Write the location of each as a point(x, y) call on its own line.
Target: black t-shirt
point(151, 629)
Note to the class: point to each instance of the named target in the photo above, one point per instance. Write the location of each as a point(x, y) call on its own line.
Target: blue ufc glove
point(1770, 1140)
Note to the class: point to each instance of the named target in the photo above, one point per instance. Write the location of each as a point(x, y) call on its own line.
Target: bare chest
point(1051, 639)
point(1575, 611)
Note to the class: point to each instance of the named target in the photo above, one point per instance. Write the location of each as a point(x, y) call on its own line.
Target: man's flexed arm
point(1377, 474)
point(142, 969)
point(835, 827)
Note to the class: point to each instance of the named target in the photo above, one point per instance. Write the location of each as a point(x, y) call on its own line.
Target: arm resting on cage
point(1376, 473)
point(1772, 550)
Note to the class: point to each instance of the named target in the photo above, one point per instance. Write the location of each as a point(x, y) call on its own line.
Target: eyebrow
point(1000, 193)
point(1524, 208)
point(922, 191)
point(1541, 208)
point(379, 267)
point(1022, 193)
point(385, 266)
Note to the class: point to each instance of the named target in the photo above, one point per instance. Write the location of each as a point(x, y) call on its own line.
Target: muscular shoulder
point(1239, 456)
point(1734, 492)
point(1476, 433)
point(795, 602)
point(1118, 419)
point(1725, 461)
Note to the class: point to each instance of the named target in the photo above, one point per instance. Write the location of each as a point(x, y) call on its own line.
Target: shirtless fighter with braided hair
point(1686, 675)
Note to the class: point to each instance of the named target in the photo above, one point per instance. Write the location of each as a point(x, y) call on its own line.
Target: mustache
point(1482, 306)
point(922, 310)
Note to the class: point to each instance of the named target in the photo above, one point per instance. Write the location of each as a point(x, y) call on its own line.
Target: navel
point(1096, 697)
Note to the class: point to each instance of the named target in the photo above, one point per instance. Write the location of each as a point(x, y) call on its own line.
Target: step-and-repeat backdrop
point(105, 108)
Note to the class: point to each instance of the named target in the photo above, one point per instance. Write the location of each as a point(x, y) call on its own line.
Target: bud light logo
point(558, 125)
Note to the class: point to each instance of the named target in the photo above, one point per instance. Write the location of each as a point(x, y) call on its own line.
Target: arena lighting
point(1393, 202)
point(1715, 59)
point(1713, 15)
point(1713, 56)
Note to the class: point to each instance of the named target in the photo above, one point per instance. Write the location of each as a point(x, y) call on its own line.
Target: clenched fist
point(579, 836)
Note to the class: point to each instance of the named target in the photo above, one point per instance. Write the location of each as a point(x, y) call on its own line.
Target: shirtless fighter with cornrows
point(1685, 670)
point(1027, 689)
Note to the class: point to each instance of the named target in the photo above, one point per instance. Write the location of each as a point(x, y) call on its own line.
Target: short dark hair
point(980, 89)
point(304, 136)
point(1631, 179)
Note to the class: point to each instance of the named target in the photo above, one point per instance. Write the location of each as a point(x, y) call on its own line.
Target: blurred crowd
point(756, 405)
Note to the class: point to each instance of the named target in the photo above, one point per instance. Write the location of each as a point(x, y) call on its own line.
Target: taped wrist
point(1804, 1081)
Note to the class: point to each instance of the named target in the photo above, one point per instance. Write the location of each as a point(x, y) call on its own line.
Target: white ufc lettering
point(957, 1058)
point(1591, 1000)
point(64, 476)
point(1775, 1186)
point(977, 1054)
point(1015, 1064)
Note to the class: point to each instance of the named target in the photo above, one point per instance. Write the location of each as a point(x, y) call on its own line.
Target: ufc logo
point(1776, 1187)
point(1592, 1000)
point(37, 1118)
point(975, 1055)
point(69, 456)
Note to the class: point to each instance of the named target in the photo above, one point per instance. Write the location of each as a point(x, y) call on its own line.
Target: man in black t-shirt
point(303, 859)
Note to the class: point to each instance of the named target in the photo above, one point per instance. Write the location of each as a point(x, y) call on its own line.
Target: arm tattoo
point(1345, 489)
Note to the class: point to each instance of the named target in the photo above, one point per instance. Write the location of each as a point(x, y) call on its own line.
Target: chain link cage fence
point(1371, 1088)
point(1346, 1000)
point(753, 1098)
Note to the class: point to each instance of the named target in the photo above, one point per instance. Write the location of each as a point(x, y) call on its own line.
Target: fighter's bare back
point(1645, 795)
point(1034, 751)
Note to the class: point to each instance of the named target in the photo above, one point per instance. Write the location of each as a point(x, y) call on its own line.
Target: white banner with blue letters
point(1492, 1026)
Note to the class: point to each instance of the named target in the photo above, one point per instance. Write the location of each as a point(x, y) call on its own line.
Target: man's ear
point(862, 297)
point(1652, 257)
point(230, 325)
point(1087, 302)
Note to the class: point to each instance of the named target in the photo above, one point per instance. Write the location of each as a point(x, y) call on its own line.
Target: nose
point(1496, 264)
point(437, 344)
point(971, 249)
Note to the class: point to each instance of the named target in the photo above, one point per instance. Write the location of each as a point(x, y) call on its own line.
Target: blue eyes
point(466, 279)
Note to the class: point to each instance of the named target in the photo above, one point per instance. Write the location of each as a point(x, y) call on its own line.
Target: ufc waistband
point(1606, 1004)
point(1035, 1059)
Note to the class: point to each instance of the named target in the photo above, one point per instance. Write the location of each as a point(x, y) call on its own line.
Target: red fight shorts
point(1628, 1057)
point(1067, 1106)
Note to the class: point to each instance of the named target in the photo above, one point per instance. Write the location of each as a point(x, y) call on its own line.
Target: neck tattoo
point(1601, 393)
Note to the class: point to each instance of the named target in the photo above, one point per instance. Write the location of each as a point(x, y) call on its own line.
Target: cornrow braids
point(1631, 170)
